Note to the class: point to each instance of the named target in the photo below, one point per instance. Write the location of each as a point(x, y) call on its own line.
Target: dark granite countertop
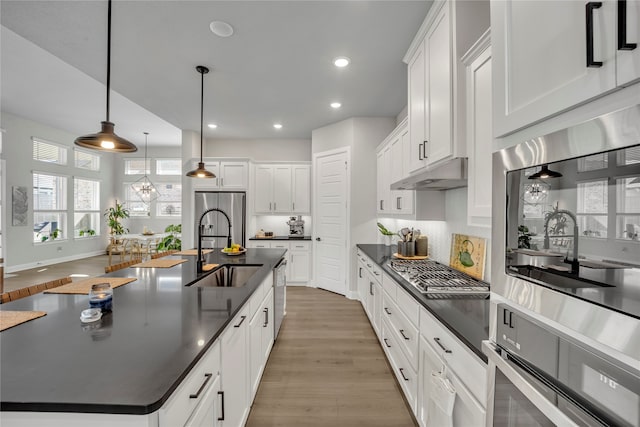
point(281, 238)
point(468, 319)
point(132, 359)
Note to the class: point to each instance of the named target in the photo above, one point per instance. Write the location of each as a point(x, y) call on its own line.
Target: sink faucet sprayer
point(200, 261)
point(575, 266)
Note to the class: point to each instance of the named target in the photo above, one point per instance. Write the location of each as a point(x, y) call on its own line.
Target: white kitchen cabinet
point(479, 133)
point(436, 81)
point(230, 175)
point(261, 340)
point(628, 53)
point(382, 182)
point(407, 377)
point(301, 189)
point(363, 283)
point(467, 411)
point(374, 303)
point(299, 262)
point(208, 413)
point(235, 370)
point(282, 188)
point(538, 74)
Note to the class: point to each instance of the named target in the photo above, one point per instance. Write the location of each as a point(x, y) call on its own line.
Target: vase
point(387, 240)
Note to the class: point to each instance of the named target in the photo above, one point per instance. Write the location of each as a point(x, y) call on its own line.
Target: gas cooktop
point(436, 280)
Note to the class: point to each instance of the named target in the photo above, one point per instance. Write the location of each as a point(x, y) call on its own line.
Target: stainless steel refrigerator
point(214, 223)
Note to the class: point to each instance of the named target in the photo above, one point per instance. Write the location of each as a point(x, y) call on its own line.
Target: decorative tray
point(234, 253)
point(417, 257)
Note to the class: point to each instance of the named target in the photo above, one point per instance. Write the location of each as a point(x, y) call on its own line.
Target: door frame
point(314, 212)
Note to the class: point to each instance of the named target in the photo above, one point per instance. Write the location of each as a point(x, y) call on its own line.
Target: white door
point(331, 220)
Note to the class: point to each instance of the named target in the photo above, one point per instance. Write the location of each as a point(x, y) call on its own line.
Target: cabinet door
point(256, 359)
point(282, 188)
point(627, 55)
point(233, 175)
point(363, 283)
point(300, 261)
point(395, 174)
point(235, 370)
point(301, 188)
point(376, 307)
point(429, 362)
point(479, 140)
point(380, 182)
point(416, 107)
point(439, 88)
point(405, 198)
point(210, 183)
point(263, 189)
point(207, 414)
point(539, 72)
point(267, 326)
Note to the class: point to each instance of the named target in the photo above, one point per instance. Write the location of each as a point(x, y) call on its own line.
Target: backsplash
point(439, 232)
point(277, 224)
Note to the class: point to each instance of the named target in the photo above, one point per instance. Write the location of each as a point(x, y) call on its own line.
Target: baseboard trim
point(21, 267)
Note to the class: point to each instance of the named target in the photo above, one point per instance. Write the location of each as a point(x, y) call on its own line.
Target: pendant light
point(106, 139)
point(545, 172)
point(201, 172)
point(144, 188)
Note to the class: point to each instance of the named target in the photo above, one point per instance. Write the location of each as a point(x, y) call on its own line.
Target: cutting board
point(468, 254)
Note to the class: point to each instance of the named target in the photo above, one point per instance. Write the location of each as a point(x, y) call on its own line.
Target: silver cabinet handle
point(269, 205)
point(371, 288)
point(274, 206)
point(402, 373)
point(420, 147)
point(207, 377)
point(241, 320)
point(221, 393)
point(437, 340)
point(398, 205)
point(266, 317)
point(369, 265)
point(403, 335)
point(386, 343)
point(221, 182)
point(387, 311)
point(424, 149)
point(376, 273)
point(217, 182)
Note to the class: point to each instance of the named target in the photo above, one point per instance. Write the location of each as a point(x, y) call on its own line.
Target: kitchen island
point(133, 359)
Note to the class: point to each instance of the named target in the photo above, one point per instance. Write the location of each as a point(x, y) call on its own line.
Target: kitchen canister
point(422, 246)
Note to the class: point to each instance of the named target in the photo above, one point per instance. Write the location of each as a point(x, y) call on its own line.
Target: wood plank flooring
point(327, 369)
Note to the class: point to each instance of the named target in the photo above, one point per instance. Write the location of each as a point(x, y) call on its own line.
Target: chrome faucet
point(200, 262)
point(575, 266)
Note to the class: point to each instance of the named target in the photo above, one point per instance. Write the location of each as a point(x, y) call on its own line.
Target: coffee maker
point(296, 227)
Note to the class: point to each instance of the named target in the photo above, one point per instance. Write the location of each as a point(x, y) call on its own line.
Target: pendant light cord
point(201, 109)
point(146, 134)
point(108, 57)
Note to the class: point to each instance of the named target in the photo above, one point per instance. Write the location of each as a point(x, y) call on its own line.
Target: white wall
point(362, 135)
point(260, 150)
point(21, 252)
point(439, 232)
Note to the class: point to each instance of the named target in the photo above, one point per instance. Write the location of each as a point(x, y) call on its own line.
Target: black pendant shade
point(545, 172)
point(106, 139)
point(201, 172)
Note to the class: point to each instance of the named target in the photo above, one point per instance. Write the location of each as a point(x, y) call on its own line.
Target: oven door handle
point(508, 368)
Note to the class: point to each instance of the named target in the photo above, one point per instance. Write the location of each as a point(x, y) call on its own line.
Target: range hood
point(443, 176)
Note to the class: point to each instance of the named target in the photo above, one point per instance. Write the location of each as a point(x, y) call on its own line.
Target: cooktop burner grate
point(439, 281)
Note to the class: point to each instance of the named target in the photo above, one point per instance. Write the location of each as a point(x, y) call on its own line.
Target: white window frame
point(127, 202)
point(91, 211)
point(160, 159)
point(158, 214)
point(64, 210)
point(64, 151)
point(97, 156)
point(130, 159)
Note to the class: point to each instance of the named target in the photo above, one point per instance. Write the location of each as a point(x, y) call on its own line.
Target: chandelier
point(143, 187)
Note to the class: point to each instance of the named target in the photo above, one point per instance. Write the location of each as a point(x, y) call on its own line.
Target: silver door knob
point(318, 239)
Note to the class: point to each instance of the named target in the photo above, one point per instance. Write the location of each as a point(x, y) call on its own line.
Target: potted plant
point(172, 241)
point(386, 233)
point(53, 235)
point(88, 232)
point(114, 215)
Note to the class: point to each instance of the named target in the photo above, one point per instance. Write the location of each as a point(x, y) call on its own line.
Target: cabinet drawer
point(192, 390)
point(389, 285)
point(408, 305)
point(258, 244)
point(469, 369)
point(406, 375)
point(280, 245)
point(404, 332)
point(300, 246)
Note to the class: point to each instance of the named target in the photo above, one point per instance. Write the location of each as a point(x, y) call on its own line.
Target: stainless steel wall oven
point(566, 261)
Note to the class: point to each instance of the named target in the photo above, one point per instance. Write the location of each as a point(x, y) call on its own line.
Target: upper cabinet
point(391, 161)
point(230, 175)
point(282, 189)
point(436, 105)
point(551, 56)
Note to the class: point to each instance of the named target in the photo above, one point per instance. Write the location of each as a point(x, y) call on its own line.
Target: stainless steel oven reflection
point(566, 255)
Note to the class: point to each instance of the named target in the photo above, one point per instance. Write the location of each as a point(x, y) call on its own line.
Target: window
point(170, 201)
point(133, 203)
point(592, 163)
point(168, 167)
point(49, 152)
point(629, 156)
point(89, 161)
point(593, 208)
point(137, 166)
point(628, 209)
point(49, 206)
point(86, 215)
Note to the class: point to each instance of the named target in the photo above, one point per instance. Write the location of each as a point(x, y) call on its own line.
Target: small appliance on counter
point(264, 234)
point(296, 227)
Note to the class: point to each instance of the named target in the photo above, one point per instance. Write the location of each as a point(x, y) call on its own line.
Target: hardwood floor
point(327, 369)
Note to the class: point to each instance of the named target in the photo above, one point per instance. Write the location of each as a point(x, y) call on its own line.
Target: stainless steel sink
point(228, 276)
point(559, 279)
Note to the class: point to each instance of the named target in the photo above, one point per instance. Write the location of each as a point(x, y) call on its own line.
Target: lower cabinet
point(467, 411)
point(261, 338)
point(405, 374)
point(298, 257)
point(208, 413)
point(235, 370)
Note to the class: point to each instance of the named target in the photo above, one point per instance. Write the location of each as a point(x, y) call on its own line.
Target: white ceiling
point(277, 67)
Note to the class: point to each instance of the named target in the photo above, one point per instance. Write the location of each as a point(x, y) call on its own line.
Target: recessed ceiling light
point(212, 125)
point(336, 105)
point(221, 29)
point(341, 61)
point(277, 125)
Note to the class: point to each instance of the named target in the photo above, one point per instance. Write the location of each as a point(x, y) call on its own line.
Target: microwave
point(566, 232)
